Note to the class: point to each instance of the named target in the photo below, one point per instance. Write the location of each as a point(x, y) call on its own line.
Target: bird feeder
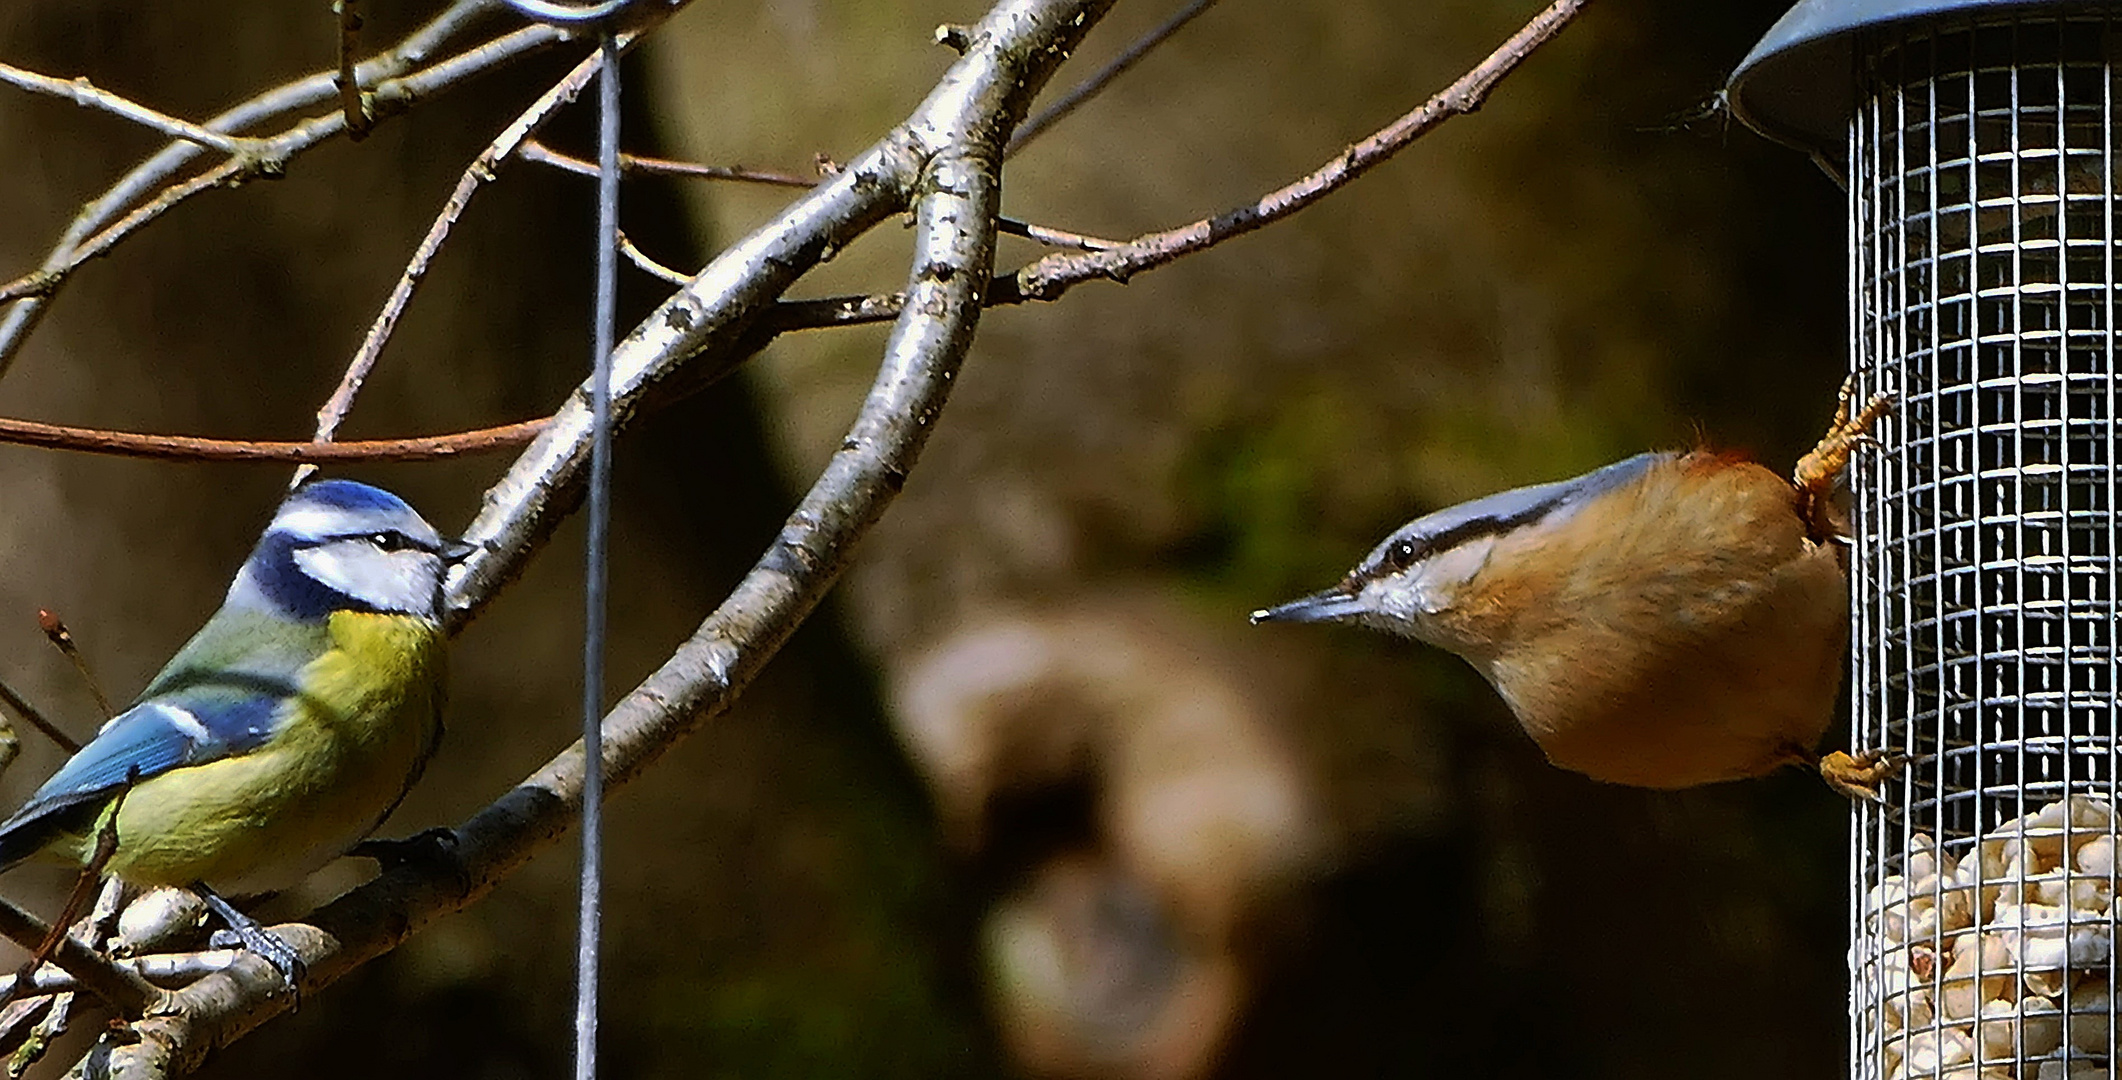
point(1977, 142)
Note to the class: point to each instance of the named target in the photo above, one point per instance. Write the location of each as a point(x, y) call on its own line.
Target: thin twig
point(357, 121)
point(483, 168)
point(1053, 275)
point(84, 888)
point(55, 631)
point(26, 711)
point(1052, 237)
point(42, 283)
point(1089, 88)
point(398, 81)
point(126, 991)
point(535, 151)
point(160, 969)
point(653, 268)
point(192, 448)
point(89, 96)
point(544, 155)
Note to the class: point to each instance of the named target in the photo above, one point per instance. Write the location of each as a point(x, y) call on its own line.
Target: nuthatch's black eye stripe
point(1496, 514)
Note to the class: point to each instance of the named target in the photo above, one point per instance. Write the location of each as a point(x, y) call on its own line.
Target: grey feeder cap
point(1798, 85)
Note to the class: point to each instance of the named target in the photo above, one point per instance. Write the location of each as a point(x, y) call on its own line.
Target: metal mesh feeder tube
point(1978, 145)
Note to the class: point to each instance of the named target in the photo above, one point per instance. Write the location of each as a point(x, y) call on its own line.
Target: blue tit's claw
point(250, 935)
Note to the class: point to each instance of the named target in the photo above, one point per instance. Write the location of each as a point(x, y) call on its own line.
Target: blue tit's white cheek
point(400, 581)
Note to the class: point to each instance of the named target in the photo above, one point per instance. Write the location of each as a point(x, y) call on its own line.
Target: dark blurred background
point(1029, 797)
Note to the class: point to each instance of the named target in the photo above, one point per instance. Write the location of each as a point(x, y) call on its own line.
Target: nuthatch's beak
point(456, 551)
point(1328, 605)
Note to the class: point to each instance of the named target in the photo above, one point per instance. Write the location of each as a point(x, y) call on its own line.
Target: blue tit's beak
point(1328, 605)
point(456, 551)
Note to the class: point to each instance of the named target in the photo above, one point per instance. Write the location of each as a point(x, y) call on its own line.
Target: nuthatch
point(1669, 620)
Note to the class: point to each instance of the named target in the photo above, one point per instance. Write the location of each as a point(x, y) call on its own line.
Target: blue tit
point(286, 729)
point(1669, 620)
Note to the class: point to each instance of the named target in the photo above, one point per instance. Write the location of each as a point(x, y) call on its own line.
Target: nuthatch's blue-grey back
point(1669, 620)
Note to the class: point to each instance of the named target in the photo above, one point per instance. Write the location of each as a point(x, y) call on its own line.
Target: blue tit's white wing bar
point(145, 741)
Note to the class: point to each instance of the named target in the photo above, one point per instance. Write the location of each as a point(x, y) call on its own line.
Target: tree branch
point(946, 157)
point(483, 168)
point(1118, 66)
point(1048, 278)
point(192, 448)
point(398, 79)
point(1053, 275)
point(89, 96)
point(124, 990)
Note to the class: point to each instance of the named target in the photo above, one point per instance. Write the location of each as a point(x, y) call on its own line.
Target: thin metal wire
point(604, 333)
point(595, 576)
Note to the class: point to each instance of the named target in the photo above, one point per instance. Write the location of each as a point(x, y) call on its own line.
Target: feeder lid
point(1798, 85)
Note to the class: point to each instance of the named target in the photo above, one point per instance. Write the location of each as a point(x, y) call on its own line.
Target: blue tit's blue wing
point(191, 727)
point(224, 694)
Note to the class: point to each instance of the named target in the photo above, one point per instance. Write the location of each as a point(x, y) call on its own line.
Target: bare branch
point(398, 82)
point(87, 95)
point(653, 268)
point(1089, 88)
point(350, 104)
point(1053, 275)
point(483, 168)
point(1052, 237)
point(126, 991)
point(533, 150)
point(192, 448)
point(38, 720)
point(947, 157)
point(160, 969)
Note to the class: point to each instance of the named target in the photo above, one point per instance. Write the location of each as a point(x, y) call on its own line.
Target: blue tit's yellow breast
point(379, 668)
point(358, 732)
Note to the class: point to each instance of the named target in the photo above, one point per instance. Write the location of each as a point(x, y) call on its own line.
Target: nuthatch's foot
point(1859, 775)
point(1816, 472)
point(254, 937)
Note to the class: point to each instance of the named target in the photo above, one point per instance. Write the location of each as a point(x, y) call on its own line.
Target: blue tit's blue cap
point(1799, 84)
point(348, 495)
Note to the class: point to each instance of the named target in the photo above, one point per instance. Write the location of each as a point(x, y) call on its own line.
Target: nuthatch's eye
point(1402, 555)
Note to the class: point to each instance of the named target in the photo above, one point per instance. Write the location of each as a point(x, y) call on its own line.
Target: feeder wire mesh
point(1983, 294)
